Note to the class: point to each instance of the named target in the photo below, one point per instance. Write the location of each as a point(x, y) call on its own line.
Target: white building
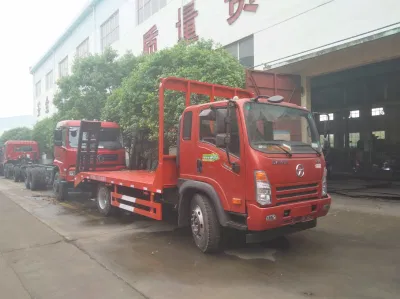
point(308, 38)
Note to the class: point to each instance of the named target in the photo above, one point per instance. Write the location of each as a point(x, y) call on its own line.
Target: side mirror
point(222, 140)
point(208, 114)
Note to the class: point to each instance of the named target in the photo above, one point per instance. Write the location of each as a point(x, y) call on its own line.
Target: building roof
point(82, 16)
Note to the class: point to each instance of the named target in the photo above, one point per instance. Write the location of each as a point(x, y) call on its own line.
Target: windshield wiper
point(281, 147)
point(317, 151)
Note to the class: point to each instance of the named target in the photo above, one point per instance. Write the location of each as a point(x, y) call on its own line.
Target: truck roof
point(243, 100)
point(77, 123)
point(20, 142)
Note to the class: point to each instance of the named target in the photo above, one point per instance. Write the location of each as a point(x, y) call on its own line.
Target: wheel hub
point(102, 200)
point(197, 222)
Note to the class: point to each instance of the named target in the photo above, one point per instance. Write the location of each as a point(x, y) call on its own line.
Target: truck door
point(213, 165)
point(60, 149)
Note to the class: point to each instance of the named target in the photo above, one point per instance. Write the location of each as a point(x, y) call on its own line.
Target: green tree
point(20, 133)
point(135, 104)
point(82, 95)
point(43, 133)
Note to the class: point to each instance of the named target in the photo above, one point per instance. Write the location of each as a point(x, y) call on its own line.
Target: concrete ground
point(66, 250)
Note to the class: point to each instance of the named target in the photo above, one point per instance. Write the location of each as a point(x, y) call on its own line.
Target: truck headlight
point(263, 188)
point(324, 184)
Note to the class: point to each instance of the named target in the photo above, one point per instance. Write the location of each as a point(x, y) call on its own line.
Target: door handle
point(199, 165)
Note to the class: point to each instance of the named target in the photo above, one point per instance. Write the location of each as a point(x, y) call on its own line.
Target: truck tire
point(38, 178)
point(17, 174)
point(205, 227)
point(60, 191)
point(27, 178)
point(103, 201)
point(7, 171)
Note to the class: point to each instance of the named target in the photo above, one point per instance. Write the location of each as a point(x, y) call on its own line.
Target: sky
point(28, 28)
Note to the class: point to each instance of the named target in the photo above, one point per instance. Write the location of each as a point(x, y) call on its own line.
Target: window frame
point(38, 88)
point(63, 65)
point(378, 111)
point(212, 144)
point(49, 83)
point(85, 46)
point(356, 112)
point(154, 7)
point(185, 124)
point(109, 31)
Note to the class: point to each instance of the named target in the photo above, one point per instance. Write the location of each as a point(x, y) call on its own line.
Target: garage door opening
point(361, 108)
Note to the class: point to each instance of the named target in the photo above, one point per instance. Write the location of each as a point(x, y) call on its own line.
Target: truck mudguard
point(187, 188)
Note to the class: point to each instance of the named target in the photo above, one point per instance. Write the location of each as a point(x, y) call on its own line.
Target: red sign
point(189, 24)
point(237, 6)
point(150, 40)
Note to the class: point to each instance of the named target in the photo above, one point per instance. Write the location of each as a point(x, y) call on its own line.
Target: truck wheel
point(104, 201)
point(27, 179)
point(17, 173)
point(38, 178)
point(60, 191)
point(7, 171)
point(206, 230)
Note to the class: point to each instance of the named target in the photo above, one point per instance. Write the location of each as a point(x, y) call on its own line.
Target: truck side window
point(207, 131)
point(187, 125)
point(234, 145)
point(64, 136)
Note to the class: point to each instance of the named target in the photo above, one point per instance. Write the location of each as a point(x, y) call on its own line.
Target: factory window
point(377, 111)
point(331, 139)
point(110, 31)
point(49, 80)
point(353, 139)
point(63, 67)
point(243, 51)
point(38, 89)
point(83, 49)
point(147, 8)
point(379, 134)
point(326, 117)
point(354, 114)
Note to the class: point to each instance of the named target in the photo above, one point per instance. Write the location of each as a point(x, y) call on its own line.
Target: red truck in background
point(110, 155)
point(252, 163)
point(16, 154)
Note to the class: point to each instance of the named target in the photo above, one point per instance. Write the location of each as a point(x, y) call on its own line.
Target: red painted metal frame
point(155, 208)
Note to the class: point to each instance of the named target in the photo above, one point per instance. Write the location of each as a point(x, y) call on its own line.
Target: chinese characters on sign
point(237, 6)
point(150, 40)
point(189, 24)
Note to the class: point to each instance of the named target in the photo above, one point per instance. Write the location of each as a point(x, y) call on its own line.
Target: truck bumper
point(261, 236)
point(290, 214)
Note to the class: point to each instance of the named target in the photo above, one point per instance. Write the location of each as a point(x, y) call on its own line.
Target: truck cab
point(111, 152)
point(264, 160)
point(17, 152)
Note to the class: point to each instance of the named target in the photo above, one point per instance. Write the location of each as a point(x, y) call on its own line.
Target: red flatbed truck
point(250, 163)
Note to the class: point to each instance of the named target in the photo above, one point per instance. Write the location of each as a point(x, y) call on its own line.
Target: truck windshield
point(110, 138)
point(279, 129)
point(23, 148)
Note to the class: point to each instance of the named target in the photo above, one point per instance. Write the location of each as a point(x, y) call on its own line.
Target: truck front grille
point(297, 192)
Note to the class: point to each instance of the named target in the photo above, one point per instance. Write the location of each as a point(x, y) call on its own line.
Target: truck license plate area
point(303, 218)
